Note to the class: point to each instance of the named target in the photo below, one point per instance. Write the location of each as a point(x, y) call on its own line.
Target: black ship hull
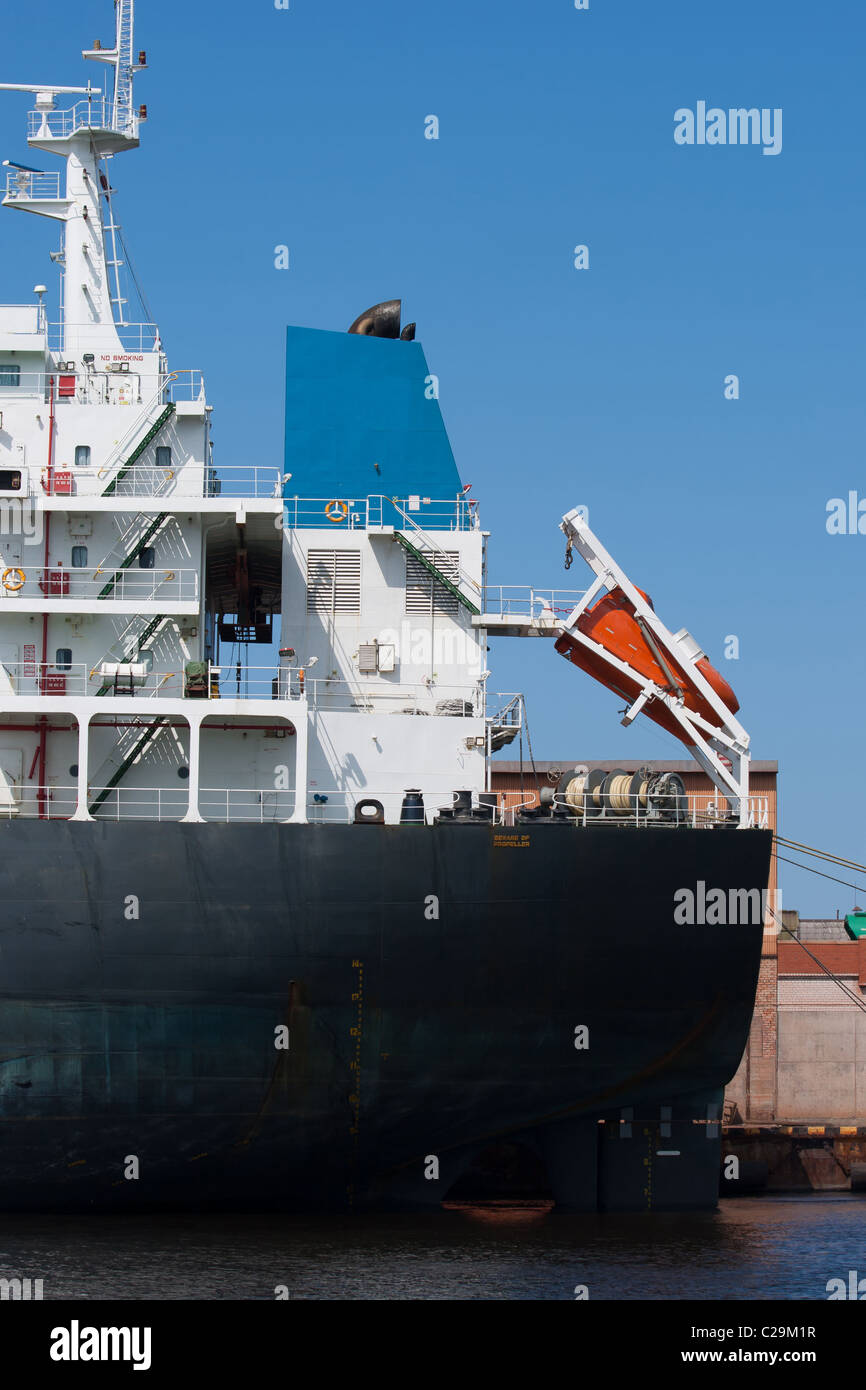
point(431, 985)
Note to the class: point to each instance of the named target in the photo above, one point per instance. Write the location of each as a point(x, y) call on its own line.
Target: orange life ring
point(337, 511)
point(13, 585)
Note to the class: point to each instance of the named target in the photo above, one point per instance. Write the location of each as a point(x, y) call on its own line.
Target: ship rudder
point(639, 1158)
point(570, 1153)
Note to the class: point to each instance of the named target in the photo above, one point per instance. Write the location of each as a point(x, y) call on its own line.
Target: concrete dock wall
point(806, 1056)
point(796, 1110)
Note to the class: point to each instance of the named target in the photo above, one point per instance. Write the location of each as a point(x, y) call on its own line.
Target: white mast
point(99, 126)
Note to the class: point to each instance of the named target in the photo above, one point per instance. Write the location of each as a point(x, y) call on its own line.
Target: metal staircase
point(153, 526)
point(146, 738)
point(141, 642)
point(424, 559)
point(430, 544)
point(131, 459)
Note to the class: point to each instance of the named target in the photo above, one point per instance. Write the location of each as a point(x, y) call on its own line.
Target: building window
point(63, 659)
point(82, 456)
point(424, 594)
point(10, 374)
point(79, 557)
point(147, 558)
point(334, 581)
point(163, 456)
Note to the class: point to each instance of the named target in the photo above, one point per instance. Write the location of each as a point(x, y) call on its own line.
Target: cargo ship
point(267, 938)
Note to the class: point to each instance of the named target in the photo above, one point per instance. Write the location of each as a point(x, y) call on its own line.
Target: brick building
point(806, 1059)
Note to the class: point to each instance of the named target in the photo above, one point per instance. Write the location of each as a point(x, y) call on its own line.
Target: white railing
point(699, 810)
point(30, 678)
point(410, 698)
point(75, 585)
point(711, 808)
point(274, 683)
point(526, 603)
point(94, 113)
point(253, 683)
point(221, 804)
point(185, 385)
point(25, 383)
point(22, 184)
point(136, 432)
point(135, 337)
point(48, 803)
point(243, 480)
point(193, 480)
point(422, 540)
point(358, 513)
point(245, 804)
point(260, 805)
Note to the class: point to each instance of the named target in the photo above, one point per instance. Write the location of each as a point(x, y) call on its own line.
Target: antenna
point(45, 94)
point(122, 58)
point(103, 124)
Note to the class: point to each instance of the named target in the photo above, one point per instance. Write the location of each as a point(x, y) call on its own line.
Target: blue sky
point(558, 387)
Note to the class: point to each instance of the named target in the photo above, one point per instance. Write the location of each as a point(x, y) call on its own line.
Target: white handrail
point(114, 459)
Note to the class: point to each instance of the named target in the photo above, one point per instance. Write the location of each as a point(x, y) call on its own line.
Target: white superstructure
point(141, 586)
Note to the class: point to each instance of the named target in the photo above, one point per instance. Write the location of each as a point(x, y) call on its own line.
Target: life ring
point(337, 511)
point(169, 576)
point(13, 584)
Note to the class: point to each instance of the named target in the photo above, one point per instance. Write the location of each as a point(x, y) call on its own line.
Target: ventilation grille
point(423, 593)
point(334, 581)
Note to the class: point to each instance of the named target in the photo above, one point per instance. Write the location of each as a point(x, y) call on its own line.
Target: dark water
point(748, 1249)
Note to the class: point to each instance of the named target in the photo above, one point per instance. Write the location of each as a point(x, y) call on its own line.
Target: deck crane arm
point(684, 697)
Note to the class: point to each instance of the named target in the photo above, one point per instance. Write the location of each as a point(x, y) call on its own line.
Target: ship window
point(147, 558)
point(79, 557)
point(10, 374)
point(63, 658)
point(163, 456)
point(424, 594)
point(334, 581)
point(82, 456)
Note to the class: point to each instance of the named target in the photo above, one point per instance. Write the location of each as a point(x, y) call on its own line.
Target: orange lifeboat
point(612, 623)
